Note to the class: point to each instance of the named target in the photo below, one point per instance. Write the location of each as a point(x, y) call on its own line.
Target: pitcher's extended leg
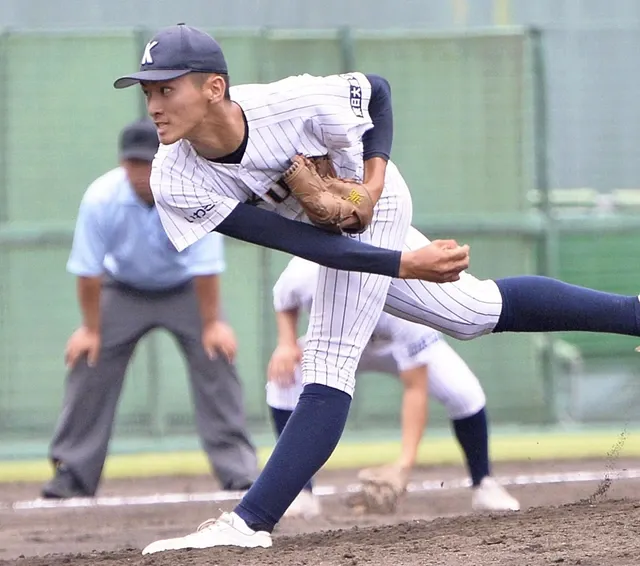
point(471, 307)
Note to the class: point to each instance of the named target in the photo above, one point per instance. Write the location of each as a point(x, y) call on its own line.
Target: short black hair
point(202, 77)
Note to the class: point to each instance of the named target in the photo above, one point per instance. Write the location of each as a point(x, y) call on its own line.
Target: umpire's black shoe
point(237, 485)
point(64, 485)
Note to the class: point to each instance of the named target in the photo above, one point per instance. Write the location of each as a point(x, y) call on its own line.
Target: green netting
point(242, 52)
point(64, 118)
point(4, 110)
point(286, 54)
point(601, 261)
point(38, 315)
point(462, 112)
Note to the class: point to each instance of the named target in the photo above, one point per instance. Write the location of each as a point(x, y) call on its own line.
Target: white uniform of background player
point(413, 352)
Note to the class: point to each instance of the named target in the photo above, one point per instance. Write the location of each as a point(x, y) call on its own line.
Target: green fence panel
point(39, 313)
point(605, 386)
point(462, 113)
point(242, 50)
point(64, 118)
point(4, 132)
point(38, 316)
point(604, 262)
point(293, 53)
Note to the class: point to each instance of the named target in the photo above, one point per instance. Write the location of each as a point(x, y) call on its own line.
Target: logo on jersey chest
point(355, 95)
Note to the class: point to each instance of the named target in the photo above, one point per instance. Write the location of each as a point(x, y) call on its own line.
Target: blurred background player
point(422, 360)
point(130, 280)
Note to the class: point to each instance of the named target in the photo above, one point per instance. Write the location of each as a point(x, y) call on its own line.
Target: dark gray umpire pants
point(91, 397)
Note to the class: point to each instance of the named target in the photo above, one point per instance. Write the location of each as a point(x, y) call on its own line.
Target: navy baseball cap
point(139, 140)
point(176, 51)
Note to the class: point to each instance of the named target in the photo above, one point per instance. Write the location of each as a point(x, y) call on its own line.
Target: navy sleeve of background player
point(377, 141)
point(256, 226)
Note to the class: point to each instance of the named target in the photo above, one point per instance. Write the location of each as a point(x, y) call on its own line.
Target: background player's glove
point(339, 205)
point(381, 489)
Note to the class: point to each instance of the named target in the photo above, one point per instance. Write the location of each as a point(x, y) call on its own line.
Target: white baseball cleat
point(306, 506)
point(491, 496)
point(228, 530)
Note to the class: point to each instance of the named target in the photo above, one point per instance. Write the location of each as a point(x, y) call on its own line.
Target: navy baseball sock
point(280, 418)
point(540, 304)
point(313, 432)
point(472, 434)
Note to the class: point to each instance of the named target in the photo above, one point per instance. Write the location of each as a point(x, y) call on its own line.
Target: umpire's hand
point(83, 341)
point(218, 337)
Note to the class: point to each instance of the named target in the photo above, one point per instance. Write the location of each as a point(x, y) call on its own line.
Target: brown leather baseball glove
point(332, 203)
point(381, 489)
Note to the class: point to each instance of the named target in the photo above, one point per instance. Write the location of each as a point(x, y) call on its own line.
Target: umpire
point(130, 280)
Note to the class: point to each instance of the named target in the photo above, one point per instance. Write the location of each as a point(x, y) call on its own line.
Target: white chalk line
point(321, 490)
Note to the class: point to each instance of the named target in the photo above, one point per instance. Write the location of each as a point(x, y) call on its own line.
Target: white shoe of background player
point(491, 496)
point(305, 506)
point(228, 530)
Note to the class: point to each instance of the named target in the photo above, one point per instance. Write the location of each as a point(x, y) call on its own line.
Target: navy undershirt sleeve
point(378, 140)
point(257, 226)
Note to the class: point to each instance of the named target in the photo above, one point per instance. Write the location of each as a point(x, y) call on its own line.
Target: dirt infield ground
point(586, 523)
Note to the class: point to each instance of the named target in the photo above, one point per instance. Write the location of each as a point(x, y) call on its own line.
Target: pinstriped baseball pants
point(347, 305)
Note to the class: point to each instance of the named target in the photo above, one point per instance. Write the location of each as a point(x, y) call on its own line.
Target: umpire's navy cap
point(176, 51)
point(138, 140)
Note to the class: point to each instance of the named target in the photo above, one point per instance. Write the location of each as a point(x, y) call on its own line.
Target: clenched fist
point(441, 261)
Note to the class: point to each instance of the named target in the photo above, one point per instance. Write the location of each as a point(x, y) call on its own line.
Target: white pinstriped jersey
point(318, 116)
point(405, 341)
point(301, 114)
